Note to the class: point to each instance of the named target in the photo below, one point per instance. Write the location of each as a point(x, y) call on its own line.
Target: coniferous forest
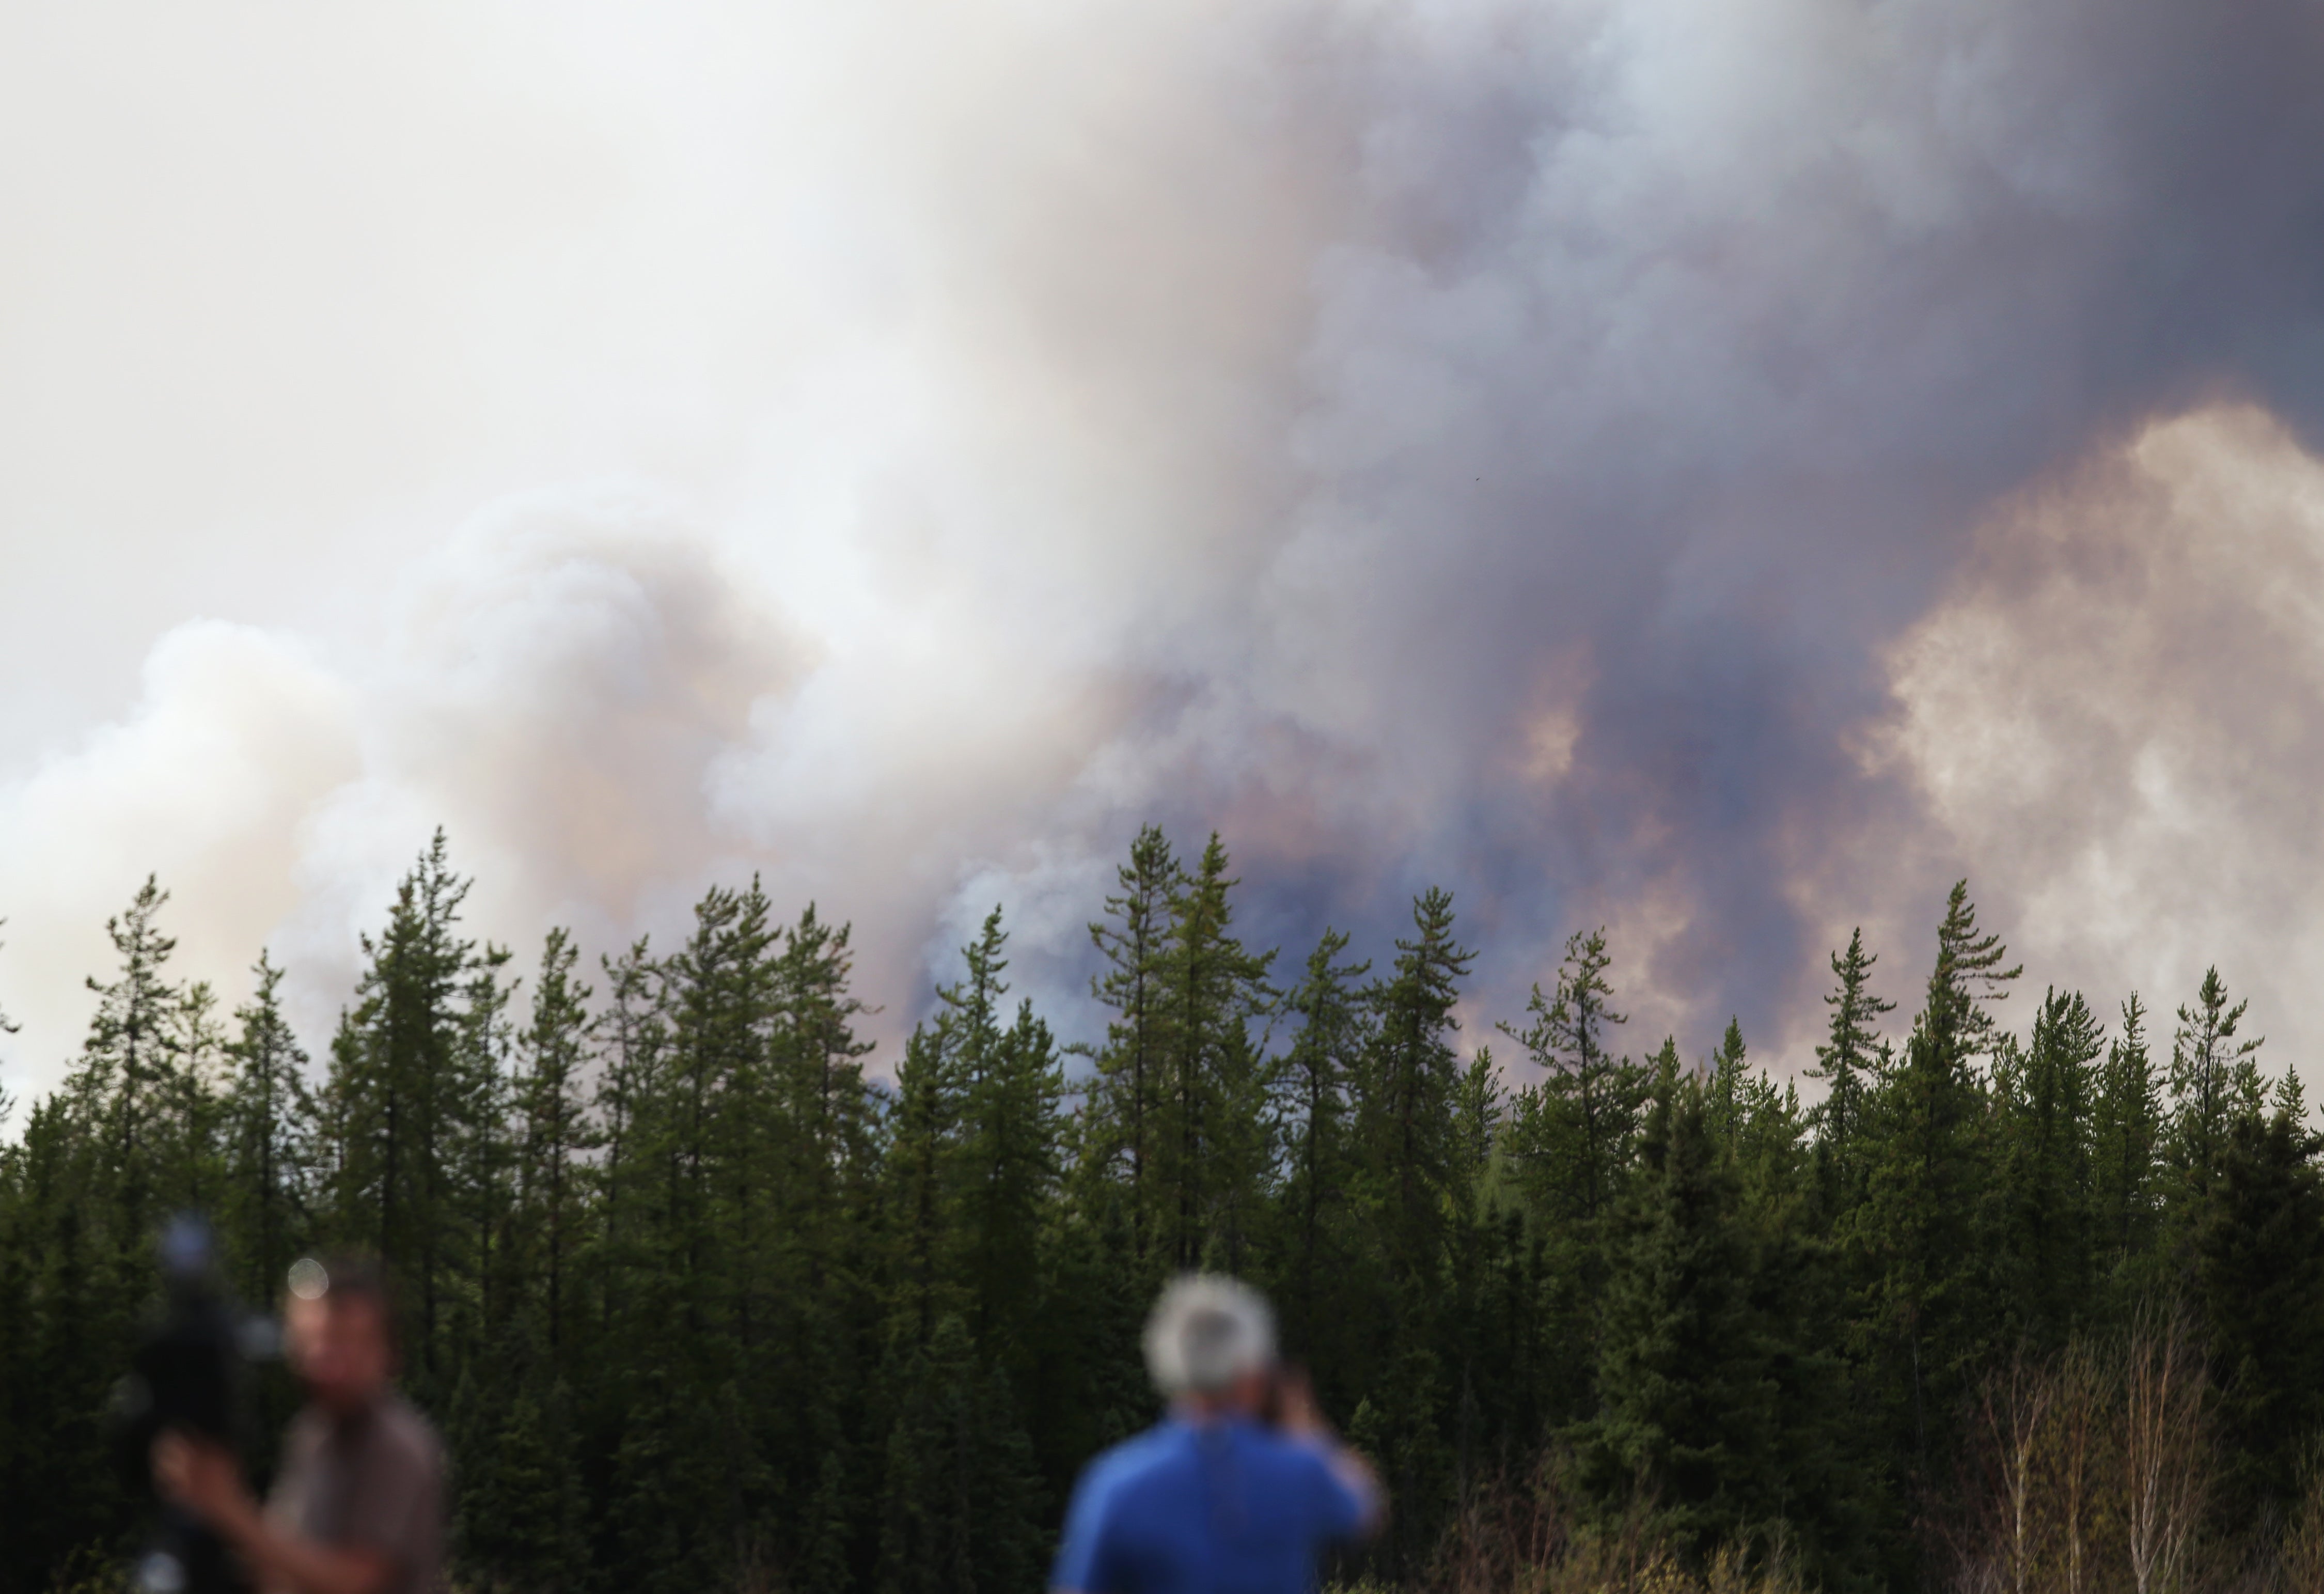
point(2027, 1294)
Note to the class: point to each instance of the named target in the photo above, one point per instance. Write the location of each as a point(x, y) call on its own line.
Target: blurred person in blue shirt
point(1238, 1490)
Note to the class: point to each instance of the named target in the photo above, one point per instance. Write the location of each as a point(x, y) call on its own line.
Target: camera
point(187, 1377)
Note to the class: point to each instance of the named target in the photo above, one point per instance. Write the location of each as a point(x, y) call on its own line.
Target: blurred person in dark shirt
point(357, 1506)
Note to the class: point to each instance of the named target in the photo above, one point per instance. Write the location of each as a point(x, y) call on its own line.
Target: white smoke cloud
point(562, 679)
point(2118, 716)
point(238, 738)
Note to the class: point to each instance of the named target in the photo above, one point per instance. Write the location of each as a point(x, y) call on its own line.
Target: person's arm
point(202, 1476)
point(1080, 1567)
point(1302, 1419)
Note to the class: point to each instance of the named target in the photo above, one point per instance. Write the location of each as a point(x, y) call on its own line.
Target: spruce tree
point(1408, 1136)
point(1480, 1107)
point(2127, 1125)
point(1850, 1062)
point(522, 1525)
point(1212, 1147)
point(2045, 1241)
point(1758, 1126)
point(675, 1524)
point(961, 1509)
point(554, 1049)
point(121, 1084)
point(478, 1256)
point(2214, 1081)
point(1410, 1081)
point(630, 1103)
point(2260, 1275)
point(828, 1338)
point(70, 1303)
point(397, 1095)
point(1916, 1243)
point(1726, 1081)
point(2290, 1098)
point(1134, 939)
point(1968, 982)
point(1007, 1159)
point(270, 1142)
point(190, 1170)
point(1686, 1418)
point(821, 1059)
point(918, 1182)
point(1574, 1129)
point(719, 987)
point(1318, 1072)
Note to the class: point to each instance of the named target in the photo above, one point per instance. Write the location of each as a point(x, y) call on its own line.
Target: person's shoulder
point(1309, 1466)
point(1143, 1448)
point(1136, 1456)
point(1290, 1452)
point(402, 1428)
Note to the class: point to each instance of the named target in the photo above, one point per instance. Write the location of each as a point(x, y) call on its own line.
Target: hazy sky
point(1720, 468)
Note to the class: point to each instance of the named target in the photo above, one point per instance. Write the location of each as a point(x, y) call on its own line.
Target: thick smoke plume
point(1632, 461)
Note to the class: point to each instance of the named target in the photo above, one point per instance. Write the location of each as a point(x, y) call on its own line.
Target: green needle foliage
point(705, 1298)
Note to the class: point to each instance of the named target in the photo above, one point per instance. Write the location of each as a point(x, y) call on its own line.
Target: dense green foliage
point(701, 1305)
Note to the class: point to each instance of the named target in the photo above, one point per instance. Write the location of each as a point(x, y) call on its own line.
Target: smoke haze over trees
point(701, 1302)
point(1718, 468)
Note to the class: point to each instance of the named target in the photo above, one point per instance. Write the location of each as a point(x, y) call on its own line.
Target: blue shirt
point(1219, 1507)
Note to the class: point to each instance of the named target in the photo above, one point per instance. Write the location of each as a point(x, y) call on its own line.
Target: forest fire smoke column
point(1241, 1484)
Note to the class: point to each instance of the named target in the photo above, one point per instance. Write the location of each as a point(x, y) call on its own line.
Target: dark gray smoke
point(1679, 354)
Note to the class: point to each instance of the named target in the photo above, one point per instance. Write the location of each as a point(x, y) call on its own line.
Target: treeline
point(701, 1306)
